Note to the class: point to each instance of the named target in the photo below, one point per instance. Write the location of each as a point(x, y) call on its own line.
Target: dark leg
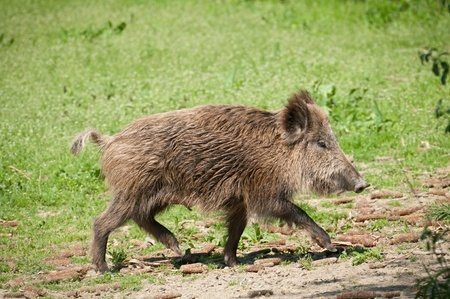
point(237, 220)
point(292, 214)
point(108, 221)
point(160, 232)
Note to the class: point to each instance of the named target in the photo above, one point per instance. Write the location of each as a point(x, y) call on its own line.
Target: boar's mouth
point(336, 184)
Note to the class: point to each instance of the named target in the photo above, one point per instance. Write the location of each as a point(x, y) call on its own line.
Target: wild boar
point(240, 160)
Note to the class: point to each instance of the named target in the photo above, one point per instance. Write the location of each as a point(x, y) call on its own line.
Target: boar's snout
point(361, 185)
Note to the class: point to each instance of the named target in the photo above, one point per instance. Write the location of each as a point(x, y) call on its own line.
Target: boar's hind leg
point(160, 232)
point(108, 221)
point(236, 220)
point(290, 213)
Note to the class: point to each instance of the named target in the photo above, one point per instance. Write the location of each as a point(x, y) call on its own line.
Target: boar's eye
point(322, 144)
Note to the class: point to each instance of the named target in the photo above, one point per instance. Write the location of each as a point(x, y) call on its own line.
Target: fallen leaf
point(406, 211)
point(66, 274)
point(380, 194)
point(9, 223)
point(365, 217)
point(206, 249)
point(364, 240)
point(405, 238)
point(170, 295)
point(254, 268)
point(193, 268)
point(268, 262)
point(342, 201)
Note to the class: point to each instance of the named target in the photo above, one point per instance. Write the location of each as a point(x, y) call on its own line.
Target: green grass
point(359, 255)
point(439, 211)
point(69, 65)
point(377, 225)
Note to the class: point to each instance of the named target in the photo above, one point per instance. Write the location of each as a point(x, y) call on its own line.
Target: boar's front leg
point(292, 214)
point(236, 221)
point(160, 232)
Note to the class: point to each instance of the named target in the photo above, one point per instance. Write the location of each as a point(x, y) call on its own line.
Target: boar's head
point(323, 167)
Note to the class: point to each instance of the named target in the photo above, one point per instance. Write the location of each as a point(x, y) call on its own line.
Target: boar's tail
point(80, 141)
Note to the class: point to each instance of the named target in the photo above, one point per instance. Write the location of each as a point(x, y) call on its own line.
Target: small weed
point(80, 260)
point(413, 258)
point(160, 280)
point(106, 277)
point(326, 204)
point(439, 211)
point(381, 13)
point(394, 203)
point(440, 68)
point(306, 262)
point(233, 282)
point(4, 268)
point(348, 205)
point(347, 226)
point(356, 111)
point(303, 247)
point(6, 42)
point(92, 33)
point(118, 256)
point(212, 266)
point(377, 225)
point(253, 234)
point(360, 255)
point(401, 248)
point(131, 282)
point(443, 111)
point(439, 65)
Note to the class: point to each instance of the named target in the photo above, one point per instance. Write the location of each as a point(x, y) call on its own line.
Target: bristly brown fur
point(238, 159)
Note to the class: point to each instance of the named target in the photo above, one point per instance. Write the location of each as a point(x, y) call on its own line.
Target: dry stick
point(21, 172)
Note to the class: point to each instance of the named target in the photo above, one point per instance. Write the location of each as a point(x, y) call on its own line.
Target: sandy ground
point(329, 277)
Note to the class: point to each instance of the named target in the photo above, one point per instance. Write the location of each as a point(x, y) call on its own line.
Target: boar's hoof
point(230, 261)
point(324, 241)
point(102, 268)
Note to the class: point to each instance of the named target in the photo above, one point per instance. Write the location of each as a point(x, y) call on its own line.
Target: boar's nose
point(361, 185)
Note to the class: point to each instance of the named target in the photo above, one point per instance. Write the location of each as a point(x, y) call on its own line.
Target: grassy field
point(69, 65)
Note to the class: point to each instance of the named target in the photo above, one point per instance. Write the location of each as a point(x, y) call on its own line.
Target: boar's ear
point(295, 117)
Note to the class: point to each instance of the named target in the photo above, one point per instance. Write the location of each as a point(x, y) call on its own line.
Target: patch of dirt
point(96, 290)
point(275, 268)
point(9, 223)
point(73, 273)
point(326, 279)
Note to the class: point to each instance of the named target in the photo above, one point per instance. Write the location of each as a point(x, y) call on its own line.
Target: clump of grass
point(394, 203)
point(253, 234)
point(303, 247)
point(306, 262)
point(377, 224)
point(439, 211)
point(360, 255)
point(118, 256)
